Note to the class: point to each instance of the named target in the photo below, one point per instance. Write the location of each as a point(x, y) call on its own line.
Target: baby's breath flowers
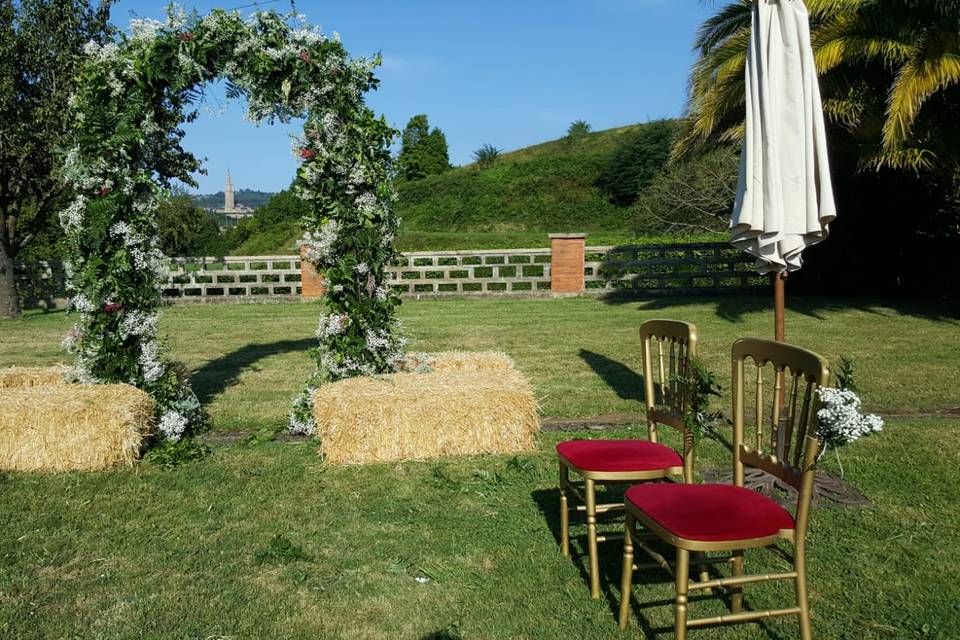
point(840, 420)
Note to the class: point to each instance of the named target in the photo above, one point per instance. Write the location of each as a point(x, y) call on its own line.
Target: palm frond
point(734, 134)
point(880, 62)
point(935, 67)
point(824, 9)
point(731, 19)
point(851, 38)
point(845, 111)
point(915, 159)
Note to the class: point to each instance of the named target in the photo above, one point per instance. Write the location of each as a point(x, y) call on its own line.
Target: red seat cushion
point(710, 512)
point(618, 455)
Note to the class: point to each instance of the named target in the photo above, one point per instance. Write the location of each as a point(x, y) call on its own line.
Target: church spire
point(228, 203)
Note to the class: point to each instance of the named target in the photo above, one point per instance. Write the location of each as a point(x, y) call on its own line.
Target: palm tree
point(889, 70)
point(578, 129)
point(486, 156)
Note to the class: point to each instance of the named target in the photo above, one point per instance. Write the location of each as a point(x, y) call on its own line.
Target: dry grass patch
point(72, 427)
point(467, 404)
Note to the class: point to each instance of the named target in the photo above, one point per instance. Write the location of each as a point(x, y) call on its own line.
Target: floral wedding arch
point(134, 93)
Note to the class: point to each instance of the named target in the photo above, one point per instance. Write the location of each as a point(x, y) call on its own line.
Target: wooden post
point(567, 262)
point(779, 302)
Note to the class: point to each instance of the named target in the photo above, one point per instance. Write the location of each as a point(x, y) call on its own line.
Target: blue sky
point(507, 73)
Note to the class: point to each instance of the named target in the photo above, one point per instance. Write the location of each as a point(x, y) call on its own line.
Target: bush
point(691, 197)
point(637, 160)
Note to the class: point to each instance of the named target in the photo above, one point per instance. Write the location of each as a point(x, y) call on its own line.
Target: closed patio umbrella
point(784, 194)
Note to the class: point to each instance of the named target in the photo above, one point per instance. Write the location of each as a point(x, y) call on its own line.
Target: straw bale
point(72, 426)
point(459, 361)
point(22, 377)
point(413, 416)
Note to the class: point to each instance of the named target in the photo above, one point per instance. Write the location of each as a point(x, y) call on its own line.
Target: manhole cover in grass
point(828, 489)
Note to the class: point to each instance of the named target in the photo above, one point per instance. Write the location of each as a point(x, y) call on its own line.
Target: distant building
point(231, 211)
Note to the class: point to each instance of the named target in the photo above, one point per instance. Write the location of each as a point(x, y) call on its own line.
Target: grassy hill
point(526, 194)
point(547, 187)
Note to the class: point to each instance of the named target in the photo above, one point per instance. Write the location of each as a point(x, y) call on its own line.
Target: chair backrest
point(668, 346)
point(775, 429)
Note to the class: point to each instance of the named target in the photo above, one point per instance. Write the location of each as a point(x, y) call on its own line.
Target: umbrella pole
point(779, 298)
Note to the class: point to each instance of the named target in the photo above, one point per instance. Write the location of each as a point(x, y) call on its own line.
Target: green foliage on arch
point(134, 93)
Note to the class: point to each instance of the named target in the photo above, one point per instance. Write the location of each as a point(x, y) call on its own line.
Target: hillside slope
point(545, 187)
point(528, 193)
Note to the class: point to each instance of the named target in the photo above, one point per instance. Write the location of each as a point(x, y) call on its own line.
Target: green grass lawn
point(581, 354)
point(194, 552)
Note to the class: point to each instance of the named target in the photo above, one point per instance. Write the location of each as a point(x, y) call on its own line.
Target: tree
point(41, 43)
point(889, 74)
point(889, 70)
point(436, 153)
point(424, 151)
point(578, 129)
point(640, 156)
point(694, 196)
point(284, 206)
point(185, 229)
point(486, 156)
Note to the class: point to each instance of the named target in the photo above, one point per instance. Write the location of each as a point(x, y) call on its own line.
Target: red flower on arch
point(112, 307)
point(186, 36)
point(308, 154)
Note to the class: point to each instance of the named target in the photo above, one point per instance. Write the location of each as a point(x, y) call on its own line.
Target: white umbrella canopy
point(784, 194)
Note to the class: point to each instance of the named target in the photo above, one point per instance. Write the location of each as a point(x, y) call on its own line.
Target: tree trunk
point(9, 301)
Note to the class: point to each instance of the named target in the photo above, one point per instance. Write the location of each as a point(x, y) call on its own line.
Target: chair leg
point(736, 593)
point(800, 566)
point(592, 538)
point(683, 582)
point(564, 512)
point(626, 576)
point(704, 571)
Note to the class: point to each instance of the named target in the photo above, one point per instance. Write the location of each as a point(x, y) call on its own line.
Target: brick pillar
point(311, 282)
point(566, 262)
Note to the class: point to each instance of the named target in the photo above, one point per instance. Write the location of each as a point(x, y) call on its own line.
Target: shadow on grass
point(450, 633)
point(215, 376)
point(611, 558)
point(611, 552)
point(733, 308)
point(626, 382)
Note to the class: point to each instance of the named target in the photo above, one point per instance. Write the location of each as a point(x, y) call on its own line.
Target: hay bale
point(72, 427)
point(414, 416)
point(23, 377)
point(459, 361)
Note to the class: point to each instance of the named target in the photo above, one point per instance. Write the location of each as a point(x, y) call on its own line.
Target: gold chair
point(730, 518)
point(632, 461)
